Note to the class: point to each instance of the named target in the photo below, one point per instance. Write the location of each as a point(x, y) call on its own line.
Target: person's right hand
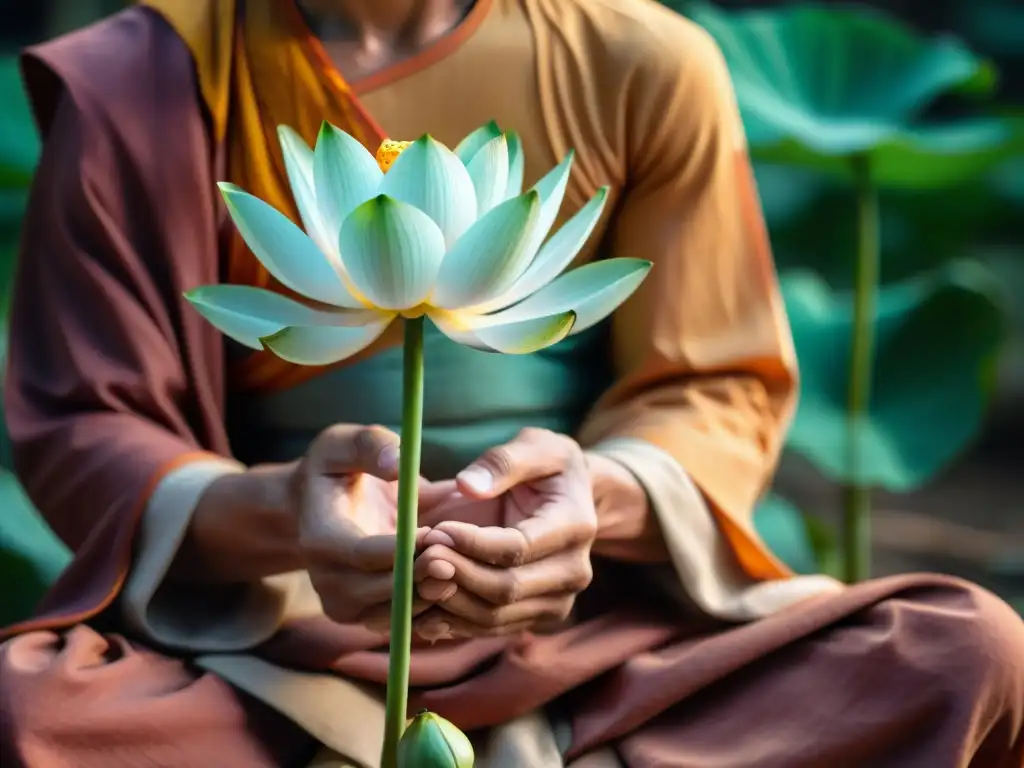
point(345, 493)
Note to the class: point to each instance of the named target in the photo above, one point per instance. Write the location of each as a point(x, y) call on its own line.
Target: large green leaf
point(1008, 182)
point(817, 86)
point(31, 557)
point(19, 153)
point(787, 193)
point(814, 227)
point(19, 141)
point(785, 530)
point(938, 337)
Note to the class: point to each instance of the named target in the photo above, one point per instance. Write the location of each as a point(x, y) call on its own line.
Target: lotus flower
point(417, 230)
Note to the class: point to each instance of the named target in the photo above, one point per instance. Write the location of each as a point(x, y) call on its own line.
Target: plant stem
point(408, 500)
point(856, 494)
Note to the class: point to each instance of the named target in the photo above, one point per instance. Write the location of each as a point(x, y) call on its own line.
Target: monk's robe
point(124, 405)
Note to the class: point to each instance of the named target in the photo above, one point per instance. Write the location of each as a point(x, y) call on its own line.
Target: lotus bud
point(430, 741)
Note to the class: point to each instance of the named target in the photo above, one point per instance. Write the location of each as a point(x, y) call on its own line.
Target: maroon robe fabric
point(113, 379)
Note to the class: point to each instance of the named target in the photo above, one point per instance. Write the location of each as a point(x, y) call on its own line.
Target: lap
point(934, 668)
point(932, 675)
point(99, 701)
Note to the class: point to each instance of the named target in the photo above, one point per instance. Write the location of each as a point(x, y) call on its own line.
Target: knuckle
point(334, 435)
point(536, 434)
point(582, 574)
point(349, 444)
point(563, 609)
point(513, 556)
point(492, 617)
point(574, 456)
point(370, 440)
point(563, 447)
point(499, 458)
point(510, 590)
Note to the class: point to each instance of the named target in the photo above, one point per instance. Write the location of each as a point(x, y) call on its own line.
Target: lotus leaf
point(31, 557)
point(784, 528)
point(817, 86)
point(938, 337)
point(19, 142)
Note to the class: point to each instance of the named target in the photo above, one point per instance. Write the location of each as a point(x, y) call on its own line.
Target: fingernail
point(441, 570)
point(388, 458)
point(436, 630)
point(477, 478)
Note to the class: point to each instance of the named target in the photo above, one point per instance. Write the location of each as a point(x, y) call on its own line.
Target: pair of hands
point(503, 548)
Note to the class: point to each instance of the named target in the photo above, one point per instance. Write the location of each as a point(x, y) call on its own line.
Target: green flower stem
point(856, 496)
point(408, 499)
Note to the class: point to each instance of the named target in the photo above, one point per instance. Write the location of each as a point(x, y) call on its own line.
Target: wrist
point(627, 528)
point(243, 528)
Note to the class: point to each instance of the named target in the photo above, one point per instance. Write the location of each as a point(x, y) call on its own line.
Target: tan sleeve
point(704, 360)
point(209, 618)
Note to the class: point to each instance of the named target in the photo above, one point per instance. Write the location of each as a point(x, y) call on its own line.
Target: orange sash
point(259, 66)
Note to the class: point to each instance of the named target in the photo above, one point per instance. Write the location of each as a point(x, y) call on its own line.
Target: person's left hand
point(526, 556)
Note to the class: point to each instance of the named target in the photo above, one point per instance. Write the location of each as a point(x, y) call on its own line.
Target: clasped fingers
point(491, 600)
point(354, 577)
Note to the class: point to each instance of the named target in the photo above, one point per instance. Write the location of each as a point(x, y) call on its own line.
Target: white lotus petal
point(516, 338)
point(298, 161)
point(285, 250)
point(247, 314)
point(392, 252)
point(245, 317)
point(489, 172)
point(592, 291)
point(555, 255)
point(431, 177)
point(490, 256)
point(298, 164)
point(516, 165)
point(345, 174)
point(469, 146)
point(319, 345)
point(552, 190)
point(528, 336)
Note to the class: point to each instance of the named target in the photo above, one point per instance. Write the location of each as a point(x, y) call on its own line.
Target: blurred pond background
point(889, 146)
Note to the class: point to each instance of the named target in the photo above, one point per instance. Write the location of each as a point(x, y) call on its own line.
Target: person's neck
point(395, 24)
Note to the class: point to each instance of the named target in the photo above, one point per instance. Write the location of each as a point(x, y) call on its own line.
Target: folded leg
point(930, 677)
point(88, 700)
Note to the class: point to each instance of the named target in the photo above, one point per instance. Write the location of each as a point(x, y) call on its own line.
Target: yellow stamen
point(460, 321)
point(388, 151)
point(413, 312)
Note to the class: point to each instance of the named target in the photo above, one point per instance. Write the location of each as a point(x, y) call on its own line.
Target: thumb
point(533, 455)
point(345, 449)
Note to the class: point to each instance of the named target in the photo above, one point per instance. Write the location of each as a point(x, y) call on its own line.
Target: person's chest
point(494, 74)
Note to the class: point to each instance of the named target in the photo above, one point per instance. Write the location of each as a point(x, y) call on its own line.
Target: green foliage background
point(825, 90)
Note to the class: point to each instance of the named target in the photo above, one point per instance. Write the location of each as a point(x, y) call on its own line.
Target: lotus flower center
point(413, 312)
point(388, 151)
